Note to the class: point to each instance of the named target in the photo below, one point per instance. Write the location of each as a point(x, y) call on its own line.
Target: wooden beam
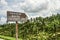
point(16, 30)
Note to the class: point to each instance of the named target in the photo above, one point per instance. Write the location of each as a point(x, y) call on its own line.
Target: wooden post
point(16, 30)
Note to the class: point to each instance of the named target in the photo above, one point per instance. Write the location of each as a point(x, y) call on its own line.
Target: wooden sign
point(16, 16)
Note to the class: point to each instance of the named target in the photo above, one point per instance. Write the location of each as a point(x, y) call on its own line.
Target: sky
point(32, 8)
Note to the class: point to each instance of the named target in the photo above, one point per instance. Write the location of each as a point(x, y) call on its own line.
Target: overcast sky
point(32, 8)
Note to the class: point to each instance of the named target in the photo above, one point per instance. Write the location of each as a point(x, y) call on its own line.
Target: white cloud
point(2, 20)
point(39, 7)
point(3, 2)
point(4, 11)
point(4, 7)
point(34, 5)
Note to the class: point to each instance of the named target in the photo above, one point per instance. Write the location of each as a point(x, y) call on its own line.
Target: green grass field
point(8, 38)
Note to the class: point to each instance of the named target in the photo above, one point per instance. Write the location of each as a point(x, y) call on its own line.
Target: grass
point(8, 38)
point(12, 38)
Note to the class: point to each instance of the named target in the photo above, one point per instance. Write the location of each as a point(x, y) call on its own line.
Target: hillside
point(35, 29)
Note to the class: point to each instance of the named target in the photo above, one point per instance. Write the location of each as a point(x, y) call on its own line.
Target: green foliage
point(35, 29)
point(8, 38)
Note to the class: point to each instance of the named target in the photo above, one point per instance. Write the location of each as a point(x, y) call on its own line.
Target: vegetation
point(8, 38)
point(35, 29)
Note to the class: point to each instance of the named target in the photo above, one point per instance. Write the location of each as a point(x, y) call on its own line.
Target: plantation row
point(35, 29)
